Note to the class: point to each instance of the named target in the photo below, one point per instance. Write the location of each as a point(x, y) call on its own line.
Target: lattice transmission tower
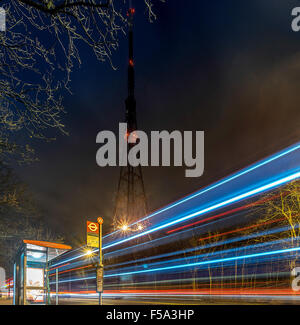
point(131, 203)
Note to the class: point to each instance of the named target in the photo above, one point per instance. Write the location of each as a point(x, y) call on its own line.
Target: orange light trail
point(241, 229)
point(57, 267)
point(208, 291)
point(74, 269)
point(224, 214)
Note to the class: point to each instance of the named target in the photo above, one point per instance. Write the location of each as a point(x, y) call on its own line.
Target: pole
point(48, 298)
point(24, 278)
point(56, 298)
point(100, 257)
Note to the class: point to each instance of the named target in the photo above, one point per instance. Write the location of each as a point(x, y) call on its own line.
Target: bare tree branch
point(38, 52)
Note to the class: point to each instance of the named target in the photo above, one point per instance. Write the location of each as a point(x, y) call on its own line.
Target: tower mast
point(131, 202)
point(130, 101)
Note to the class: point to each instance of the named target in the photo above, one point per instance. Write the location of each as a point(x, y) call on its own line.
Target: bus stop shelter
point(31, 282)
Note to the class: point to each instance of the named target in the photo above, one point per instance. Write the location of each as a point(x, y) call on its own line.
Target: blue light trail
point(221, 260)
point(211, 208)
point(217, 184)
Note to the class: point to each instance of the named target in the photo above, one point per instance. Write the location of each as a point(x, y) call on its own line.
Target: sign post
point(100, 266)
point(94, 239)
point(56, 286)
point(92, 229)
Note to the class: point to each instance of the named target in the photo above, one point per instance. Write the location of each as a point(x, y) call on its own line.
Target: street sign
point(92, 241)
point(92, 227)
point(92, 238)
point(99, 279)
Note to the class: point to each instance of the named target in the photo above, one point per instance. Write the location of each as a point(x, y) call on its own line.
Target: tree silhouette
point(39, 50)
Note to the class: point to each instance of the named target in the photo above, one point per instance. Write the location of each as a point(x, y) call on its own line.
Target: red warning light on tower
point(131, 11)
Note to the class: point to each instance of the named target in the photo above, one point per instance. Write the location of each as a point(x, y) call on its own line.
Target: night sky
point(230, 68)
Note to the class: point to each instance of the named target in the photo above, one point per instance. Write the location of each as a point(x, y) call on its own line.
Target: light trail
point(73, 280)
point(241, 229)
point(154, 241)
point(235, 199)
point(200, 263)
point(203, 281)
point(74, 258)
point(202, 247)
point(244, 207)
point(198, 248)
point(220, 243)
point(217, 184)
point(250, 193)
point(227, 259)
point(243, 172)
point(158, 296)
point(70, 270)
point(221, 252)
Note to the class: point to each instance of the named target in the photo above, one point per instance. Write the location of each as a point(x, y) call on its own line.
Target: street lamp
point(100, 267)
point(124, 227)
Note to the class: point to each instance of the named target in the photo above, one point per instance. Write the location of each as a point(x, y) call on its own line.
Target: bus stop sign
point(92, 232)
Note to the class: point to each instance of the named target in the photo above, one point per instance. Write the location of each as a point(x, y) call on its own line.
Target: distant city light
point(140, 227)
